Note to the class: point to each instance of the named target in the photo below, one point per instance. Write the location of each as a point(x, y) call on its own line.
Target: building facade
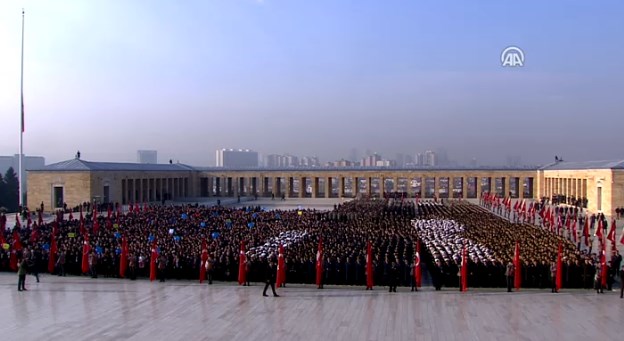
point(236, 158)
point(600, 184)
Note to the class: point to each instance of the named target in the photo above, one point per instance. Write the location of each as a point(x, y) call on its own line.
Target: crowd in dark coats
point(387, 224)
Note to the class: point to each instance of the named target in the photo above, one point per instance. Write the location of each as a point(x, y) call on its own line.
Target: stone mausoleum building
point(599, 183)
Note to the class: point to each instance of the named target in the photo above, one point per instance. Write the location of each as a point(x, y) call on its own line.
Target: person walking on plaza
point(553, 276)
point(270, 277)
point(509, 274)
point(598, 279)
point(21, 273)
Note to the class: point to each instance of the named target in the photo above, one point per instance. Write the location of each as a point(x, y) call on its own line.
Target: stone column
point(276, 186)
point(464, 193)
point(302, 186)
point(290, 187)
point(328, 187)
point(408, 187)
point(395, 185)
point(315, 187)
point(422, 187)
point(355, 186)
point(505, 184)
point(369, 186)
point(436, 186)
point(341, 186)
point(479, 186)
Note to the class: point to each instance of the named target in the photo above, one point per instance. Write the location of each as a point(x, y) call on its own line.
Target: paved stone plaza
point(75, 308)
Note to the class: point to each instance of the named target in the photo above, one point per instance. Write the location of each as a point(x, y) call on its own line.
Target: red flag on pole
point(464, 270)
point(603, 262)
point(204, 259)
point(622, 237)
point(281, 267)
point(559, 268)
point(517, 269)
point(52, 255)
point(599, 233)
point(319, 264)
point(123, 260)
point(242, 265)
point(586, 231)
point(369, 266)
point(17, 242)
point(86, 248)
point(417, 267)
point(153, 258)
point(611, 235)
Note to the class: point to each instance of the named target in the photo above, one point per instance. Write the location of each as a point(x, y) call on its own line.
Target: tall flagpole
point(21, 145)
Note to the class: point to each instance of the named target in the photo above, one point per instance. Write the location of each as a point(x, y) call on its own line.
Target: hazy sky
point(316, 77)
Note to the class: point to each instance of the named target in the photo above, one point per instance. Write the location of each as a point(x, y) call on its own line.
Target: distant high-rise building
point(419, 160)
point(234, 158)
point(371, 160)
point(147, 156)
point(29, 162)
point(430, 159)
point(309, 161)
point(385, 163)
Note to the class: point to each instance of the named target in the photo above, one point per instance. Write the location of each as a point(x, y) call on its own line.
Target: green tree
point(11, 190)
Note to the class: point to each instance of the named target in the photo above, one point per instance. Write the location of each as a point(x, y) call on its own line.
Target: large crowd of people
point(392, 226)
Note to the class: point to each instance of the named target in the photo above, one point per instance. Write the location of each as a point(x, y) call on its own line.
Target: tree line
point(9, 191)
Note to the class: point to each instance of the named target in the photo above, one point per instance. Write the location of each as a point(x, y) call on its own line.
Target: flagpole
point(21, 145)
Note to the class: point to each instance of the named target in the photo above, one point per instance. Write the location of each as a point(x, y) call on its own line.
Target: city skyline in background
point(313, 79)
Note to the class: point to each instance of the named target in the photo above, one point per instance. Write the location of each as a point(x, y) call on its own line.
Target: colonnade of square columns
point(447, 186)
point(145, 190)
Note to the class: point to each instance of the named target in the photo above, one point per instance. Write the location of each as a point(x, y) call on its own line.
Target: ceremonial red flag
point(622, 237)
point(518, 270)
point(71, 216)
point(574, 231)
point(123, 260)
point(319, 263)
point(18, 224)
point(242, 266)
point(86, 248)
point(464, 270)
point(599, 232)
point(611, 235)
point(52, 255)
point(153, 258)
point(281, 267)
point(603, 262)
point(417, 267)
point(17, 242)
point(204, 259)
point(369, 266)
point(515, 207)
point(559, 267)
point(586, 231)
